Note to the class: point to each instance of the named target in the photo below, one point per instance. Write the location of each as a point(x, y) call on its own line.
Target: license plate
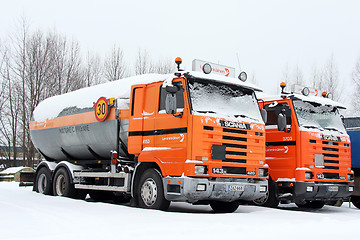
point(235, 188)
point(333, 188)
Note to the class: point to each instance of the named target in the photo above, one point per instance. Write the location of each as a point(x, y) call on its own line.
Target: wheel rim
point(42, 183)
point(60, 185)
point(149, 192)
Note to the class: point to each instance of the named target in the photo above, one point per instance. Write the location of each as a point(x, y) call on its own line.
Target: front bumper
point(321, 191)
point(202, 189)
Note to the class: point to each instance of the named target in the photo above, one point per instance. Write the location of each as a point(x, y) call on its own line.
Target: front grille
point(235, 142)
point(330, 143)
point(331, 175)
point(331, 155)
point(230, 130)
point(235, 145)
point(235, 170)
point(331, 161)
point(235, 138)
point(236, 153)
point(331, 167)
point(234, 160)
point(332, 151)
point(231, 156)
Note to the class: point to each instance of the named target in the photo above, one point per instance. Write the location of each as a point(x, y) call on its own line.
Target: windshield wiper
point(245, 116)
point(311, 126)
point(334, 129)
point(205, 111)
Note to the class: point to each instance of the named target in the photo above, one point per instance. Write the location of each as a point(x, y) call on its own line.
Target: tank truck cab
point(307, 149)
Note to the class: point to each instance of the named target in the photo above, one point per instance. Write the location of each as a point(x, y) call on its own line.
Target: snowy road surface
point(25, 214)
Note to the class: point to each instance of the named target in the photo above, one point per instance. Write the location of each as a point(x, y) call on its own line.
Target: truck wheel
point(270, 199)
point(43, 183)
point(224, 207)
point(335, 203)
point(150, 191)
point(62, 185)
point(356, 201)
point(311, 204)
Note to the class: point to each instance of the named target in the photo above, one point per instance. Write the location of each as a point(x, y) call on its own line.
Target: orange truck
point(154, 139)
point(307, 149)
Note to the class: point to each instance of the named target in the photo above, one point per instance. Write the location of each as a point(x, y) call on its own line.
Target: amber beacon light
point(282, 85)
point(178, 61)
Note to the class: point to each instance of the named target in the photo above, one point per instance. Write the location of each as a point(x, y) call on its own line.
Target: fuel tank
point(65, 127)
point(79, 136)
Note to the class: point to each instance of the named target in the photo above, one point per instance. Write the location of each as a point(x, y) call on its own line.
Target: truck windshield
point(312, 115)
point(222, 100)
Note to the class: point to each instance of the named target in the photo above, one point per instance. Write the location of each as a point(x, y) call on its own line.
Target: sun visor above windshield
point(222, 79)
point(318, 100)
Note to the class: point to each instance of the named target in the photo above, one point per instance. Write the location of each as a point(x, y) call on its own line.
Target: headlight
point(308, 175)
point(207, 68)
point(263, 172)
point(351, 189)
point(200, 170)
point(309, 188)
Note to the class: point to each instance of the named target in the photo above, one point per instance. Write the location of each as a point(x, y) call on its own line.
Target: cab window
point(273, 111)
point(179, 100)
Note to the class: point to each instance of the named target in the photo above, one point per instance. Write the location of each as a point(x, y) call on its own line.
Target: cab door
point(171, 128)
point(280, 145)
point(172, 131)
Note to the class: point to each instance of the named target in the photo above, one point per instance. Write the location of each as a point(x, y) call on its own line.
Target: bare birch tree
point(10, 109)
point(115, 66)
point(143, 63)
point(317, 79)
point(163, 66)
point(92, 71)
point(356, 90)
point(331, 79)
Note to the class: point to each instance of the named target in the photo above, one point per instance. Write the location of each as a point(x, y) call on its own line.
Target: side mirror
point(172, 89)
point(281, 122)
point(170, 103)
point(263, 113)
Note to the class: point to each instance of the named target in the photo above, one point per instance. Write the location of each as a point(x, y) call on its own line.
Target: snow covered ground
point(25, 214)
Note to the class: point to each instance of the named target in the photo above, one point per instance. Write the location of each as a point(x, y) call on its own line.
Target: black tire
point(150, 191)
point(270, 199)
point(356, 201)
point(62, 185)
point(43, 181)
point(335, 203)
point(311, 204)
point(224, 207)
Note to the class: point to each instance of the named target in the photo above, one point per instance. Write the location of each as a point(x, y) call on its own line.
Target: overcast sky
point(266, 35)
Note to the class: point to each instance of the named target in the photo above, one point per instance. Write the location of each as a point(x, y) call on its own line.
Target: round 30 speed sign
point(101, 109)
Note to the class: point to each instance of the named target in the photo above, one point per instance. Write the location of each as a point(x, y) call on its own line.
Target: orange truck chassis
point(307, 150)
point(160, 138)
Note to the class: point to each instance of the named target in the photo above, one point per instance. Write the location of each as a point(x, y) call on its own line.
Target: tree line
point(35, 65)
